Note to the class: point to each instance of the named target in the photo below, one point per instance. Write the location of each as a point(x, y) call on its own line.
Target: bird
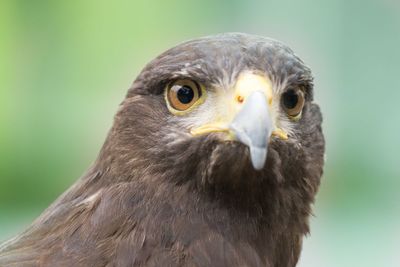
point(214, 158)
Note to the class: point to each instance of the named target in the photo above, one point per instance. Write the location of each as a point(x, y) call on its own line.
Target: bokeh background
point(66, 65)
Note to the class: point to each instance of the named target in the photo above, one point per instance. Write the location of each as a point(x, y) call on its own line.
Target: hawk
point(214, 159)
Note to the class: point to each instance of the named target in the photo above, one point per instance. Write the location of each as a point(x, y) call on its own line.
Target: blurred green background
point(66, 65)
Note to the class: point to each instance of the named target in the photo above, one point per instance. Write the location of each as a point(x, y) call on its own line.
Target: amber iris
point(293, 102)
point(182, 94)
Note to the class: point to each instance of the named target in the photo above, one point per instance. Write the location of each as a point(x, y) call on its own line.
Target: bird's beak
point(253, 126)
point(248, 119)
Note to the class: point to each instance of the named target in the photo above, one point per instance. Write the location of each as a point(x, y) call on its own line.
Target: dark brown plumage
point(158, 196)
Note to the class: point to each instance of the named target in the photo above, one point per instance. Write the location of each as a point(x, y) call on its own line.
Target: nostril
point(240, 99)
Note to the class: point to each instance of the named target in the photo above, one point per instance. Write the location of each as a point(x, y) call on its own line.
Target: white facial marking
point(90, 199)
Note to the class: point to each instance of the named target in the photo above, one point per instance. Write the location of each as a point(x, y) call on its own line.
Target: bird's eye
point(181, 95)
point(293, 102)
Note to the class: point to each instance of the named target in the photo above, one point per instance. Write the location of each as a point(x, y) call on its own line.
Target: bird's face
point(243, 111)
point(220, 109)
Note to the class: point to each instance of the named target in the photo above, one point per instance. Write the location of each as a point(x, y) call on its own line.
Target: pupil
point(290, 99)
point(185, 94)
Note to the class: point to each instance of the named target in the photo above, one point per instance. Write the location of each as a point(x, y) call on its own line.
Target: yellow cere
point(249, 82)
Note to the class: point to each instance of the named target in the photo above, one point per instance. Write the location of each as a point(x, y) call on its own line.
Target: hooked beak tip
point(258, 156)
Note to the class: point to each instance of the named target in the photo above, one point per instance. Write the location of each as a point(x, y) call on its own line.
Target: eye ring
point(293, 102)
point(183, 95)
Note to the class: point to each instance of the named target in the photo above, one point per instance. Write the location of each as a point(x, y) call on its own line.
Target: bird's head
point(228, 109)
